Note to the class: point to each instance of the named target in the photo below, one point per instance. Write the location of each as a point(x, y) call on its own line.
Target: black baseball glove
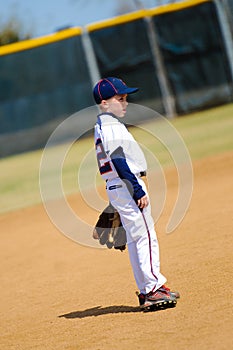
point(109, 230)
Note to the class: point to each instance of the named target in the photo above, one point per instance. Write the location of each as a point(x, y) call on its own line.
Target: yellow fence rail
point(74, 31)
point(40, 41)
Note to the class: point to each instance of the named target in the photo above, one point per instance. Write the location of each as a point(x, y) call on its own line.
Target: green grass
point(205, 133)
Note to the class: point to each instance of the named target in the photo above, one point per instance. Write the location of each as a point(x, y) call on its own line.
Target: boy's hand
point(143, 202)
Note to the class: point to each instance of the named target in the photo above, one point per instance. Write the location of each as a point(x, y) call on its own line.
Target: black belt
point(114, 187)
point(142, 173)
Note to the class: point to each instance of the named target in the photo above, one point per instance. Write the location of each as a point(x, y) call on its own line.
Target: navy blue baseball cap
point(109, 87)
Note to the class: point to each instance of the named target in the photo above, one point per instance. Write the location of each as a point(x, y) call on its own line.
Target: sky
point(44, 17)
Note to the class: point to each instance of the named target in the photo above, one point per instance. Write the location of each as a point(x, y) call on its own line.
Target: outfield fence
point(180, 55)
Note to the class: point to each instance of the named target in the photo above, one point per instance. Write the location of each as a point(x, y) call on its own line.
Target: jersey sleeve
point(124, 172)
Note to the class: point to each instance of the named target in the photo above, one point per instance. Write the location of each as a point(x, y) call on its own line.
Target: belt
point(114, 187)
point(141, 174)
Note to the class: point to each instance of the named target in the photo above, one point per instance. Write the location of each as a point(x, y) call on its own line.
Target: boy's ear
point(104, 103)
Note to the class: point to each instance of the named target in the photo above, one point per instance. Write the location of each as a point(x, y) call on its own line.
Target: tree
point(12, 31)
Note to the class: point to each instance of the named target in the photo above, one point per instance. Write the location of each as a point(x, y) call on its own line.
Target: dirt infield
point(56, 294)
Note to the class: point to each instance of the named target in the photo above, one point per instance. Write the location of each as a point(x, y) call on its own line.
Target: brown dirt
point(56, 294)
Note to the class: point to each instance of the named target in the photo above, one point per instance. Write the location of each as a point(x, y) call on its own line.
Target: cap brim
point(127, 90)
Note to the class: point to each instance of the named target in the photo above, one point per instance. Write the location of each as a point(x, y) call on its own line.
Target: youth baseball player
point(122, 165)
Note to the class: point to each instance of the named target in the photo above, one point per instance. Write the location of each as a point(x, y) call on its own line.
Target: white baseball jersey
point(111, 134)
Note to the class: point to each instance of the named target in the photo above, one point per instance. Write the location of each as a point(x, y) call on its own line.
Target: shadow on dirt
point(98, 311)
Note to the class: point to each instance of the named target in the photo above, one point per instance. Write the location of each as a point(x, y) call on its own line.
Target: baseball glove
point(109, 230)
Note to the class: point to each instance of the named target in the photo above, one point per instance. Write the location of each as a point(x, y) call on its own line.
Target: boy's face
point(116, 105)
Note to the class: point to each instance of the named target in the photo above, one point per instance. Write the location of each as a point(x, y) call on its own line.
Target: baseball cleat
point(174, 294)
point(158, 300)
point(159, 306)
point(141, 298)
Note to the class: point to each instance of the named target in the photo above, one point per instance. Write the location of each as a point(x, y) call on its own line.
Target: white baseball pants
point(142, 240)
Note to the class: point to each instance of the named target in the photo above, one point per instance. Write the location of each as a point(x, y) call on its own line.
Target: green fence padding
point(124, 51)
point(194, 56)
point(43, 83)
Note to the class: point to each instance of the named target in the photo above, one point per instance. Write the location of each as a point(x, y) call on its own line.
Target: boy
point(122, 165)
